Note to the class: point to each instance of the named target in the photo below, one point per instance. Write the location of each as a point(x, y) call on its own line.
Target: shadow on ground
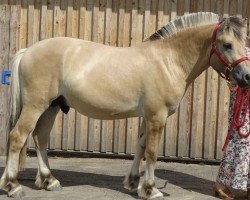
point(73, 178)
point(186, 181)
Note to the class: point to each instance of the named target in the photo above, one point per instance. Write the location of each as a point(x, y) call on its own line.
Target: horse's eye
point(228, 46)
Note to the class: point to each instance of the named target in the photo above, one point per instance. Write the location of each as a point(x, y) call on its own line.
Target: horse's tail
point(16, 102)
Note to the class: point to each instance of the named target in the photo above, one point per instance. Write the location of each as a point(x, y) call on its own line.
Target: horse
point(103, 82)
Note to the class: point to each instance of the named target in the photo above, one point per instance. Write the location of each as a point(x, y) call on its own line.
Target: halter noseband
point(229, 66)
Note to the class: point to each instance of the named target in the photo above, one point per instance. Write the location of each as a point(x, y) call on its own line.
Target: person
point(233, 174)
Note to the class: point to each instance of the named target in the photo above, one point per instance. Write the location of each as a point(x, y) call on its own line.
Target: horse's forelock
point(236, 25)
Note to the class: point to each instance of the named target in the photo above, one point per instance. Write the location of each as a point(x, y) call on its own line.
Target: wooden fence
point(198, 128)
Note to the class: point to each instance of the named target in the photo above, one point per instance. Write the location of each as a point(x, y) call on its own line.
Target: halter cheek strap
point(229, 66)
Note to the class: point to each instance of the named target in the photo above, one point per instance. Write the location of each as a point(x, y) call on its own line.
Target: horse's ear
point(248, 42)
point(245, 21)
point(221, 18)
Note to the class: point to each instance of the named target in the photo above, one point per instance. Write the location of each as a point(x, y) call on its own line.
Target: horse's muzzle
point(241, 76)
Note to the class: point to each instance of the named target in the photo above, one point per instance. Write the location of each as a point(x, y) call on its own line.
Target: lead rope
point(241, 106)
point(242, 102)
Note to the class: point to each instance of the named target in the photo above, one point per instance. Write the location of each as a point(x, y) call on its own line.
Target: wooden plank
point(210, 114)
point(136, 38)
point(69, 119)
point(121, 22)
point(75, 34)
point(23, 24)
point(107, 125)
point(170, 133)
point(240, 8)
point(233, 7)
point(56, 126)
point(207, 6)
point(180, 7)
point(184, 123)
point(120, 125)
point(87, 36)
point(43, 20)
point(15, 12)
point(82, 18)
point(160, 14)
point(153, 17)
point(173, 9)
point(126, 42)
point(146, 31)
point(101, 21)
point(222, 111)
point(4, 63)
point(101, 39)
point(36, 25)
point(223, 103)
point(95, 125)
point(30, 22)
point(49, 19)
point(226, 8)
point(81, 120)
point(113, 36)
point(187, 7)
point(197, 117)
point(113, 23)
point(95, 21)
point(30, 41)
point(14, 33)
point(58, 29)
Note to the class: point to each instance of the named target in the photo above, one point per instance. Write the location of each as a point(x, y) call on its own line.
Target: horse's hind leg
point(17, 138)
point(131, 181)
point(44, 178)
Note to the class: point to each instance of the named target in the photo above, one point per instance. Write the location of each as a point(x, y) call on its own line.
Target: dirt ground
point(94, 178)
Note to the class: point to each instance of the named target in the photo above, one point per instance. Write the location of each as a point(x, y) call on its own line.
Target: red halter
point(229, 66)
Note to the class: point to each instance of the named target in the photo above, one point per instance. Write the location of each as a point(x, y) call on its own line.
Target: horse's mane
point(196, 19)
point(183, 22)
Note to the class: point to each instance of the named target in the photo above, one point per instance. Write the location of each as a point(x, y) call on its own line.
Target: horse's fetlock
point(148, 187)
point(134, 180)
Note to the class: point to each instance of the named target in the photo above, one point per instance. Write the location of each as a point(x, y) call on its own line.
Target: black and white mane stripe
point(186, 21)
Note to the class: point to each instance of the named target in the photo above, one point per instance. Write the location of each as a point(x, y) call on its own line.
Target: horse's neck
point(192, 48)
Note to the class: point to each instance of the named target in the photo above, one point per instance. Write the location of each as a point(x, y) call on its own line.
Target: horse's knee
point(16, 141)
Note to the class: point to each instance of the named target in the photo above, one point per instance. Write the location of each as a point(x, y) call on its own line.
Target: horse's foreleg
point(155, 127)
point(44, 178)
point(131, 181)
point(17, 138)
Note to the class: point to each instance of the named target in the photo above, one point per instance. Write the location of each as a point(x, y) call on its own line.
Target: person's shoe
point(222, 192)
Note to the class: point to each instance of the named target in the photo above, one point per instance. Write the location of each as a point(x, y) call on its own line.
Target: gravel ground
point(94, 178)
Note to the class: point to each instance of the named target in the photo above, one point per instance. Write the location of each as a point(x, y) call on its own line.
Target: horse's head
point(228, 56)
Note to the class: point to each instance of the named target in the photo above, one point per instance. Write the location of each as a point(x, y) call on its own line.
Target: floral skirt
point(234, 168)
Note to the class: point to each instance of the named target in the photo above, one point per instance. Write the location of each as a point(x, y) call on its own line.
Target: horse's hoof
point(150, 193)
point(16, 192)
point(54, 186)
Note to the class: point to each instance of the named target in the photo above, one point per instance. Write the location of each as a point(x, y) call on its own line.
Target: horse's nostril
point(247, 77)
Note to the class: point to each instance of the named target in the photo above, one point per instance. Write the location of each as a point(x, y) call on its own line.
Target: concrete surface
point(101, 179)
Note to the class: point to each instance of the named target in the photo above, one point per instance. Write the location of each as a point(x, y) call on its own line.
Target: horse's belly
point(99, 107)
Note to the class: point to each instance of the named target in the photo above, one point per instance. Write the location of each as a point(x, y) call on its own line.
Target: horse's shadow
point(73, 178)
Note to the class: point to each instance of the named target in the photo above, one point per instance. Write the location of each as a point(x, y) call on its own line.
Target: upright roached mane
point(186, 21)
